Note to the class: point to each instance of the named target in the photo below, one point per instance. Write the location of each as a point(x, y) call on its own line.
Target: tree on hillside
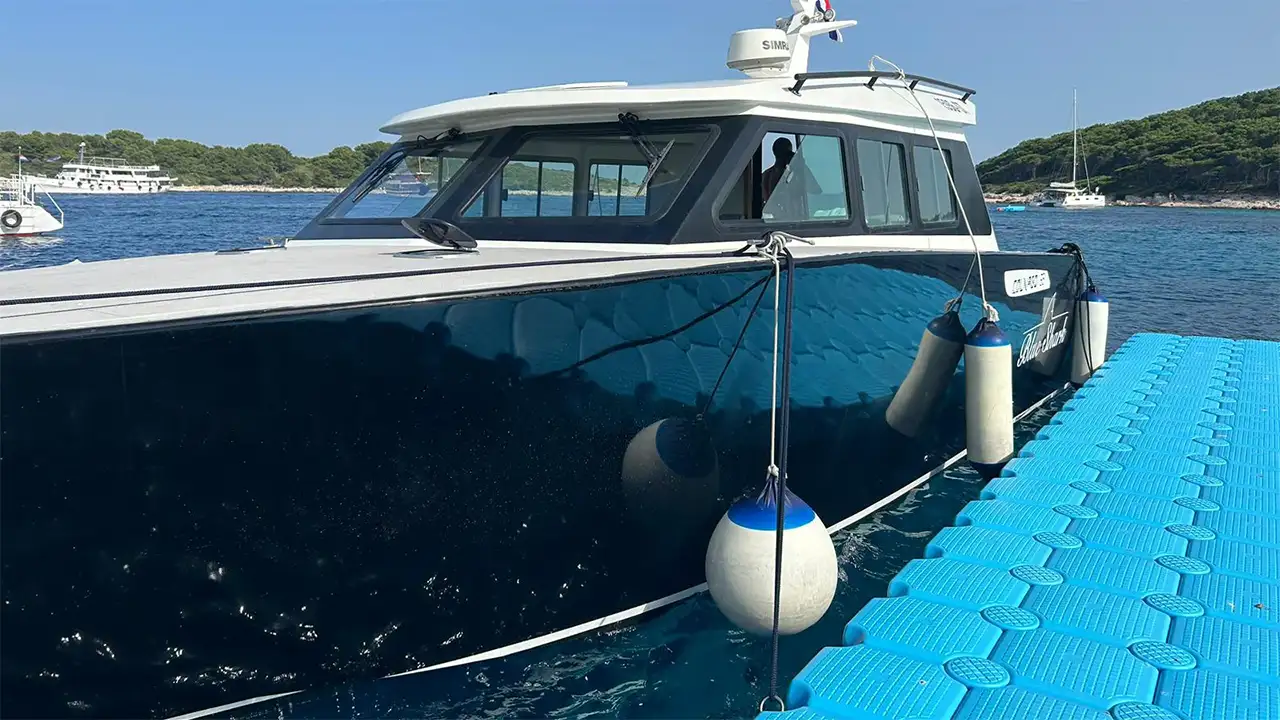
point(1226, 145)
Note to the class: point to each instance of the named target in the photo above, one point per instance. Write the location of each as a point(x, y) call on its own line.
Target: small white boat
point(21, 215)
point(1069, 195)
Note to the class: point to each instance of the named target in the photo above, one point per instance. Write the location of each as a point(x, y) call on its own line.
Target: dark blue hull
point(199, 515)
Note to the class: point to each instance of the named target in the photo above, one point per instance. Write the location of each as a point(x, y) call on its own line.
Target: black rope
point(764, 287)
point(784, 434)
point(672, 333)
point(1086, 330)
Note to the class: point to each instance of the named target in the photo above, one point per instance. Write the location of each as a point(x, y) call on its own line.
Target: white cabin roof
point(887, 104)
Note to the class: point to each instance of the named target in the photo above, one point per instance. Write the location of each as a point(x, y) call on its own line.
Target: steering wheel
point(440, 232)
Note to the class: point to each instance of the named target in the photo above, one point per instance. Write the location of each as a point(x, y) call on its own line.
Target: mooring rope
point(988, 309)
point(780, 430)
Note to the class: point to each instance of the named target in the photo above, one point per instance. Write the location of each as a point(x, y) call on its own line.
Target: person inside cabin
point(785, 184)
point(782, 154)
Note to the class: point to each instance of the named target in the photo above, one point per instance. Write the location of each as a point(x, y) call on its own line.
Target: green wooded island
point(1226, 146)
point(1229, 146)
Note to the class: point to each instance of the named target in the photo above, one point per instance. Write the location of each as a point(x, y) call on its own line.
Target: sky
point(313, 74)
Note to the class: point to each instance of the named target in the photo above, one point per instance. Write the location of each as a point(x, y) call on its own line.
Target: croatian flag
point(22, 158)
point(823, 6)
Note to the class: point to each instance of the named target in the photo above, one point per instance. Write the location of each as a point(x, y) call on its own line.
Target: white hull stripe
point(622, 615)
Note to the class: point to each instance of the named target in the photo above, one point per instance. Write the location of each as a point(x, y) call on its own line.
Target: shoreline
point(251, 189)
point(327, 191)
point(1208, 201)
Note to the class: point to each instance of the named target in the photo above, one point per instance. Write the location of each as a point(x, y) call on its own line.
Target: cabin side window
point(792, 178)
point(882, 172)
point(937, 202)
point(616, 190)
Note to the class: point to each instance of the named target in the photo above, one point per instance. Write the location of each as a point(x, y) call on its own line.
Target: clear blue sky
point(312, 74)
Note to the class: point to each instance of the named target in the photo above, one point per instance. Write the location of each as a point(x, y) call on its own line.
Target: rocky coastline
point(253, 189)
point(1214, 201)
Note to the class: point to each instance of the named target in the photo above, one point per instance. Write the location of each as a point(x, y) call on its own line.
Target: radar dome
point(759, 53)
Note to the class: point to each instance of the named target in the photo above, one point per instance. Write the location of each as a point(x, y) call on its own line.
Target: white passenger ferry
point(103, 176)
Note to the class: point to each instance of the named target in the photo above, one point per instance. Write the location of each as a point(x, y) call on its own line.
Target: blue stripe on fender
point(987, 334)
point(947, 326)
point(758, 515)
point(685, 447)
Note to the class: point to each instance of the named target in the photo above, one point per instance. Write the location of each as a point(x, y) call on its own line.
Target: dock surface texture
point(1125, 566)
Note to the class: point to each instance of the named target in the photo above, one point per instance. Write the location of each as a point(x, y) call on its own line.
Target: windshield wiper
point(653, 157)
point(380, 173)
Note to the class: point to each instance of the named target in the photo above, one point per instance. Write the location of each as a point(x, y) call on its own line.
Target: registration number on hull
point(1025, 282)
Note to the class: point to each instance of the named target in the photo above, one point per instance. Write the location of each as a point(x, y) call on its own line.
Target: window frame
point(541, 160)
point(511, 144)
point(903, 140)
point(405, 148)
point(949, 165)
point(754, 140)
point(617, 196)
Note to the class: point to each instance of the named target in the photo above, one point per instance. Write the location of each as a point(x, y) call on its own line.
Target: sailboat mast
point(1075, 138)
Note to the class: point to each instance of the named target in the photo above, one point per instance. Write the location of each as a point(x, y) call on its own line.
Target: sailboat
point(1070, 195)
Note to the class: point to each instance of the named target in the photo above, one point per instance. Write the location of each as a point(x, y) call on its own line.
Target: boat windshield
point(600, 174)
point(407, 180)
point(623, 171)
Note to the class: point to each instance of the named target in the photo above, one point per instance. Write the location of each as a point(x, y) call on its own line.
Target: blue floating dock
point(1126, 566)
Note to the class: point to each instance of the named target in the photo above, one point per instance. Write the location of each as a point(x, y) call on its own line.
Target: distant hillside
point(191, 163)
point(1228, 145)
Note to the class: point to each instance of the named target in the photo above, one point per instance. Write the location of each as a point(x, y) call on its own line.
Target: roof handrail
point(871, 76)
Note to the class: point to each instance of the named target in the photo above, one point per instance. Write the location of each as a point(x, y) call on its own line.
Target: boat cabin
point(854, 158)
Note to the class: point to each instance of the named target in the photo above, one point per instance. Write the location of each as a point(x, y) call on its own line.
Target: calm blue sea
point(1190, 271)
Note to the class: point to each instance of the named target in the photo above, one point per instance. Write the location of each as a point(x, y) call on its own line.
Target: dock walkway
point(1126, 566)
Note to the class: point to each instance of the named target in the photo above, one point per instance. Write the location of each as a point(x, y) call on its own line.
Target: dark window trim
point(967, 194)
point(489, 139)
point(522, 134)
point(911, 227)
point(692, 216)
point(755, 134)
point(949, 163)
point(541, 160)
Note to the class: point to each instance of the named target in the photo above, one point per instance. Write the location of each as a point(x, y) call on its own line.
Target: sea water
point(1207, 272)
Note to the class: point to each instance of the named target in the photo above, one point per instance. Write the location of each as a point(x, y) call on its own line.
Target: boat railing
point(22, 190)
point(872, 76)
point(109, 162)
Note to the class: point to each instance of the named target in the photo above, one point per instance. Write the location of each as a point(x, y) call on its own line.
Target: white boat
point(1070, 195)
point(432, 429)
point(21, 214)
point(103, 176)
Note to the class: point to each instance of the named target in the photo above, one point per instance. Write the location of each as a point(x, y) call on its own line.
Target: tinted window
point(937, 204)
point(537, 188)
point(603, 174)
point(616, 189)
point(408, 181)
point(881, 168)
point(802, 179)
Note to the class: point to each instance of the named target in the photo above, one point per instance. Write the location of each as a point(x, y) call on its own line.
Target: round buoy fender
point(11, 219)
point(671, 486)
point(941, 348)
point(740, 566)
point(1089, 341)
point(988, 390)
